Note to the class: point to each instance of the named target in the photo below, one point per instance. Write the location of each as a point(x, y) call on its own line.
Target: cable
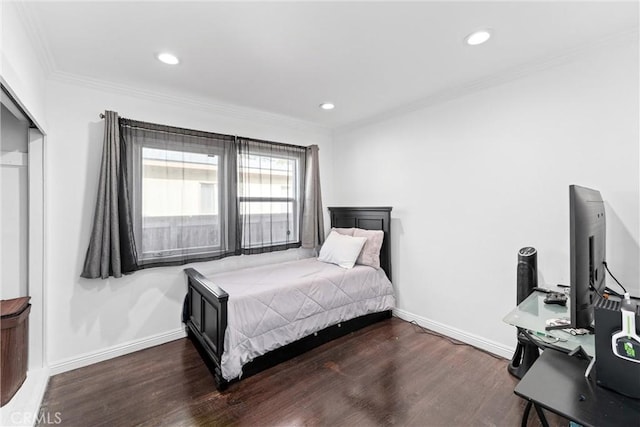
point(453, 341)
point(536, 341)
point(593, 288)
point(613, 277)
point(612, 292)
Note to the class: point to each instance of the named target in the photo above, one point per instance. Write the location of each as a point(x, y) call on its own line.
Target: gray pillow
point(370, 254)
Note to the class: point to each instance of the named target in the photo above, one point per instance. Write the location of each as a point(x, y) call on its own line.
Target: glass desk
point(532, 314)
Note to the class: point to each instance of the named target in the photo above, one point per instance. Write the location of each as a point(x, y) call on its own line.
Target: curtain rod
point(250, 139)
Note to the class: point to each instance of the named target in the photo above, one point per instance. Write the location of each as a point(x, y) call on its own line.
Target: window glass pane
point(209, 198)
point(268, 223)
point(269, 195)
point(180, 202)
point(268, 176)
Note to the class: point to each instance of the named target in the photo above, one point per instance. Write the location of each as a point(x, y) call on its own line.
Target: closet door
point(14, 203)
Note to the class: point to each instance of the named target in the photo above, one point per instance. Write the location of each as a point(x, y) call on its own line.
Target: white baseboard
point(24, 407)
point(460, 335)
point(115, 351)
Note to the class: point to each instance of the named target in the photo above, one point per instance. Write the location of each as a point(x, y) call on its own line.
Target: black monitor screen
point(588, 241)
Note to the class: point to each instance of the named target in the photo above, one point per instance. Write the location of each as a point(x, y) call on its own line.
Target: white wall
point(87, 318)
point(20, 67)
point(474, 179)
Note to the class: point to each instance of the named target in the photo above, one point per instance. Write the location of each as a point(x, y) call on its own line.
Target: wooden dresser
point(13, 345)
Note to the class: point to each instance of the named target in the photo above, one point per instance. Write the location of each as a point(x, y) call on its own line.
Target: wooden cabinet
point(13, 345)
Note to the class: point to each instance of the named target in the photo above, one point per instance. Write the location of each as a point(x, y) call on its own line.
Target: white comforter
point(274, 305)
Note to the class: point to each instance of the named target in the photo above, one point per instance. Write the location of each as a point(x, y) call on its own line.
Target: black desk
point(556, 382)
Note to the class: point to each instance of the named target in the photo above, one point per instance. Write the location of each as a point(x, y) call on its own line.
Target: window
point(269, 199)
point(199, 196)
point(269, 194)
point(178, 181)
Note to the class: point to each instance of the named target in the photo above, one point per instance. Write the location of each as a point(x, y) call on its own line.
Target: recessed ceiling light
point(168, 58)
point(327, 106)
point(478, 37)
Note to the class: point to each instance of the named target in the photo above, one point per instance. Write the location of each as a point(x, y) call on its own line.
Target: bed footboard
point(207, 319)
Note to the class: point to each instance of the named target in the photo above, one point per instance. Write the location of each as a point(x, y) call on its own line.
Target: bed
point(279, 311)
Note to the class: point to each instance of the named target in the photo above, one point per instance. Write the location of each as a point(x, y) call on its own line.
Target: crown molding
point(195, 103)
point(511, 74)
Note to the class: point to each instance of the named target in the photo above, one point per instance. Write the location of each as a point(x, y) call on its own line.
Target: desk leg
point(525, 415)
point(543, 419)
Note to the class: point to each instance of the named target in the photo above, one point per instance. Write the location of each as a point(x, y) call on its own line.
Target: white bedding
point(274, 305)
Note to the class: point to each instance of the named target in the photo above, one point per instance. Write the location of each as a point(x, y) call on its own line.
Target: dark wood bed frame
point(206, 304)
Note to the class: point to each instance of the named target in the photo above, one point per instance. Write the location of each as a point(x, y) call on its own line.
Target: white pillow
point(341, 250)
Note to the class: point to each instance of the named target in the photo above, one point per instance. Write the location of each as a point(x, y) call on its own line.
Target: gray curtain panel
point(312, 215)
point(112, 250)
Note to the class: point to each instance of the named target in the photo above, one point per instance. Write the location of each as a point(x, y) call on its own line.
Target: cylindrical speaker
point(527, 272)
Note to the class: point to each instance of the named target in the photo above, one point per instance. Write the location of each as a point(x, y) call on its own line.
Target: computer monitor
point(587, 241)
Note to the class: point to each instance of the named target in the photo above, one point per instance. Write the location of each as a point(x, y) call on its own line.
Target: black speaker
point(527, 272)
point(527, 278)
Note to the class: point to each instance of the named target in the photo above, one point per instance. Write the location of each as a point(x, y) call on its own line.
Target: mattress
point(273, 305)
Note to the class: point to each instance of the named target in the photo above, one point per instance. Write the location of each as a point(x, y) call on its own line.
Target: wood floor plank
point(390, 373)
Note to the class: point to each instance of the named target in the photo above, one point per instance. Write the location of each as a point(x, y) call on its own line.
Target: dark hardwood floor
point(391, 373)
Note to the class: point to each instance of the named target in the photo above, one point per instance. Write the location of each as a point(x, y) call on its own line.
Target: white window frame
point(166, 255)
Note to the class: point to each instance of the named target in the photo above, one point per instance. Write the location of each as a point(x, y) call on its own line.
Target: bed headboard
point(370, 218)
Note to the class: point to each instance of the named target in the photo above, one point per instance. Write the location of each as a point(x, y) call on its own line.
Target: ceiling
point(288, 57)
